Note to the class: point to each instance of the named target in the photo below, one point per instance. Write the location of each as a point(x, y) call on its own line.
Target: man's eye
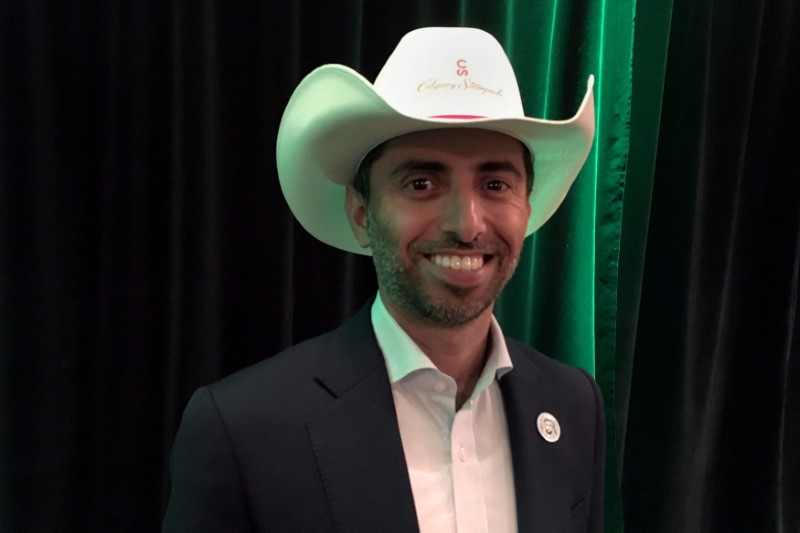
point(496, 185)
point(420, 184)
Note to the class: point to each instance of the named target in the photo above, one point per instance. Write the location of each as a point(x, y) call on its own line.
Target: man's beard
point(404, 285)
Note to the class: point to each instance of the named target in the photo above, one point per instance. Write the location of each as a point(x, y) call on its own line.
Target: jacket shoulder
point(557, 379)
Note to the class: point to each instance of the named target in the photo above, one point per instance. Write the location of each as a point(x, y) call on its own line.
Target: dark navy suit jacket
point(308, 441)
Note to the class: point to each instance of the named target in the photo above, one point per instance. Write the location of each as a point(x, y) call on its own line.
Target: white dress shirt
point(459, 463)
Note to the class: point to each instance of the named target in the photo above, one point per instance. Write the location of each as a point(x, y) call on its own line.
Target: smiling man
point(445, 214)
point(418, 413)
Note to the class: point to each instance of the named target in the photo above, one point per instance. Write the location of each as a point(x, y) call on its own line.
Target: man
point(416, 414)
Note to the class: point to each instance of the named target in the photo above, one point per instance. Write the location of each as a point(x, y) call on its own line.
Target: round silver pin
point(548, 427)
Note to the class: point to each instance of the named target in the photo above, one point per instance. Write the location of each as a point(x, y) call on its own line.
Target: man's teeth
point(459, 262)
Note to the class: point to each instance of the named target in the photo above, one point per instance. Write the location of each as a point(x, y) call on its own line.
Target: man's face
point(445, 220)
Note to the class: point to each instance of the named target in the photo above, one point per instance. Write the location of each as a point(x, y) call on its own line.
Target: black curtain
point(714, 423)
point(145, 247)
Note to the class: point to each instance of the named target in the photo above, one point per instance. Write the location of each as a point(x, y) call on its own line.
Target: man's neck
point(459, 352)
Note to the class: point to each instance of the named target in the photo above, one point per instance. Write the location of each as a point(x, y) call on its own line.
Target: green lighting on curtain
point(549, 70)
point(509, 29)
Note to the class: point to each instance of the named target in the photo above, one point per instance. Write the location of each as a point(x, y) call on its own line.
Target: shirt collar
point(403, 356)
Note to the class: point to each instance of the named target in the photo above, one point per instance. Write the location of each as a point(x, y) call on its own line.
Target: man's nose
point(463, 215)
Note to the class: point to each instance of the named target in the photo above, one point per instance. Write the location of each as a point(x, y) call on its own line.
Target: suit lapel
point(540, 485)
point(356, 441)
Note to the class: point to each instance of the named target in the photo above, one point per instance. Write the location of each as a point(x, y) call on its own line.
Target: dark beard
point(403, 286)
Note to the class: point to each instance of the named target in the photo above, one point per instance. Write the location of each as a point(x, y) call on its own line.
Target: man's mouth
point(460, 262)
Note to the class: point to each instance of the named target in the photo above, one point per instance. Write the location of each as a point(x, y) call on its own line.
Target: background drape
point(714, 420)
point(145, 247)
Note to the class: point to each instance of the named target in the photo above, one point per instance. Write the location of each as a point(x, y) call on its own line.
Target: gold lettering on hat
point(467, 84)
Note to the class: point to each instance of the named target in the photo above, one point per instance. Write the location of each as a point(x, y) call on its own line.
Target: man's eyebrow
point(435, 166)
point(499, 166)
point(416, 164)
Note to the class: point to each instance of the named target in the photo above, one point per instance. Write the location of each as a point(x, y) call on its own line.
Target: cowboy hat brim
point(335, 117)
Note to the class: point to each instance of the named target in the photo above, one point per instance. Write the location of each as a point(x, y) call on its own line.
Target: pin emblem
point(548, 427)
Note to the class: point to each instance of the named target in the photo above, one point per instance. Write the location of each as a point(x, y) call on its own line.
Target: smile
point(458, 262)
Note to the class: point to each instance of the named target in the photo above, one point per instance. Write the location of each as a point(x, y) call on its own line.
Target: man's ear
point(356, 209)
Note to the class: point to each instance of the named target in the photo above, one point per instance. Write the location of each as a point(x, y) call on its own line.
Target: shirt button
point(440, 386)
point(462, 454)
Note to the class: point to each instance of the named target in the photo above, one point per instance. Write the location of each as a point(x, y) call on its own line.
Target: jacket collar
point(356, 440)
point(539, 485)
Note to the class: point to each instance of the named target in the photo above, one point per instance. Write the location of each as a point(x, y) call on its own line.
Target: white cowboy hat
point(435, 78)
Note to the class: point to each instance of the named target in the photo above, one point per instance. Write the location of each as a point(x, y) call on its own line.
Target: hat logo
point(464, 84)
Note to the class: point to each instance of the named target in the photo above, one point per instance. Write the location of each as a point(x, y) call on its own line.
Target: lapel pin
point(548, 427)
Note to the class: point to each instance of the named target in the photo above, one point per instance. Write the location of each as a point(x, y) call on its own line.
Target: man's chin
point(459, 309)
point(460, 293)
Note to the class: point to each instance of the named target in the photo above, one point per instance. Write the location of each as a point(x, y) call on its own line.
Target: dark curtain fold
point(649, 61)
point(145, 247)
point(713, 424)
